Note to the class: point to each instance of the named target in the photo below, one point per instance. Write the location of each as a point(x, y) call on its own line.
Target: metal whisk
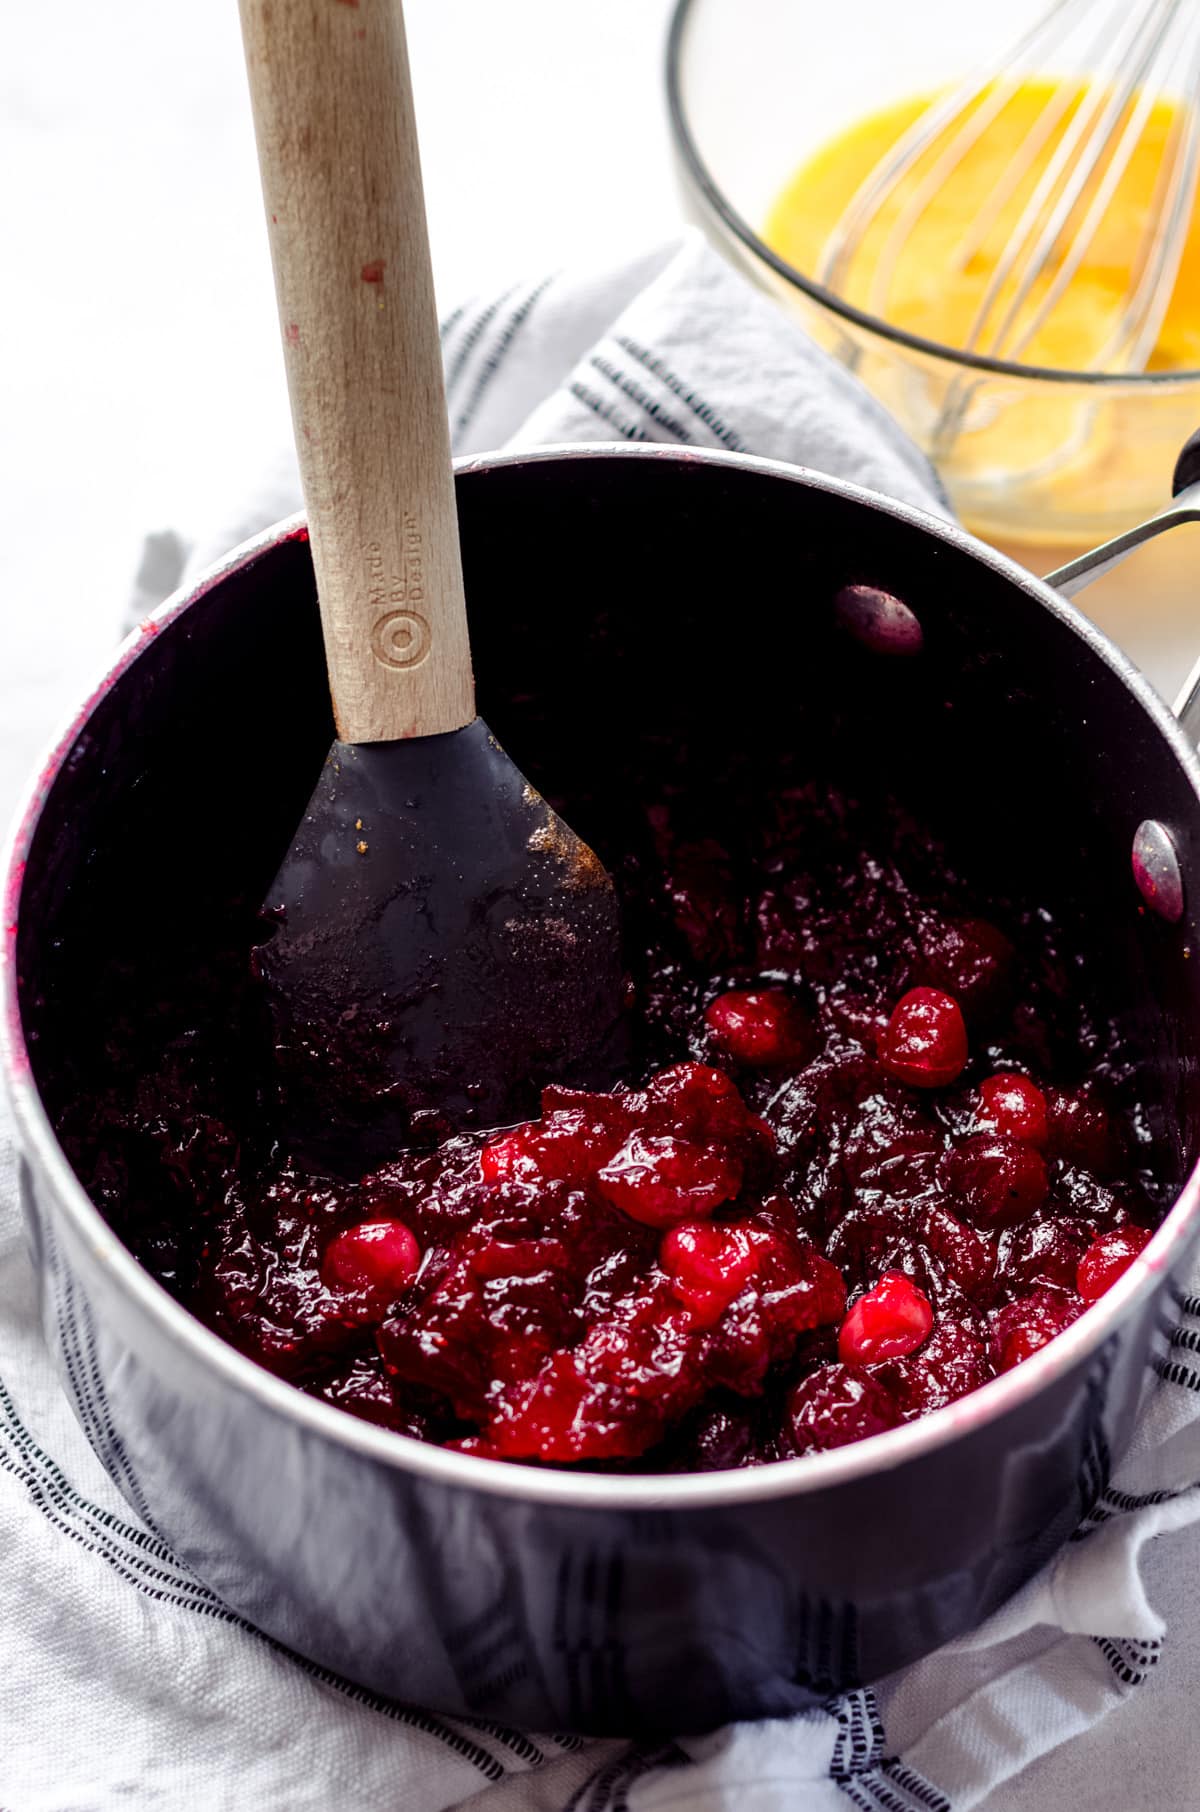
point(1121, 59)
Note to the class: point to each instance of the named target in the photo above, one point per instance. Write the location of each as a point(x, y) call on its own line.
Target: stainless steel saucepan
point(551, 1598)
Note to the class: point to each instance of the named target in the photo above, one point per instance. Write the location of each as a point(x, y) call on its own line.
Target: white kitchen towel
point(670, 346)
point(125, 1683)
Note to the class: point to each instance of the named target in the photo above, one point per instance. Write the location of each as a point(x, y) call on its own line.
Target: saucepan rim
point(465, 1472)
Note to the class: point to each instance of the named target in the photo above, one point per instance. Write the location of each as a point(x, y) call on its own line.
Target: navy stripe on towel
point(704, 412)
point(499, 352)
point(608, 412)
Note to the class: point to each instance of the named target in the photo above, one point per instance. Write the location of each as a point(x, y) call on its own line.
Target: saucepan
point(592, 1601)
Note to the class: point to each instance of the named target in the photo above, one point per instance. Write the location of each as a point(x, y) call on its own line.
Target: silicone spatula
point(443, 943)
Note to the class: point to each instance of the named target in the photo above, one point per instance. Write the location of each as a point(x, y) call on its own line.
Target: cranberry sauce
point(877, 1146)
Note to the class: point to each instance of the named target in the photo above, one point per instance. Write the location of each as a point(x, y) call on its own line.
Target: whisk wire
point(1075, 160)
point(912, 144)
point(1134, 54)
point(1171, 208)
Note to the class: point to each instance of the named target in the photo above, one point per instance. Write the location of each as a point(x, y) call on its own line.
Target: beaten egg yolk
point(931, 276)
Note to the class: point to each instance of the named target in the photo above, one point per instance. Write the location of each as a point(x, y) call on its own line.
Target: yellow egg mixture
point(934, 292)
point(1043, 461)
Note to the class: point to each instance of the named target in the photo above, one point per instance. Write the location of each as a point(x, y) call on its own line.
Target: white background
point(139, 356)
point(140, 378)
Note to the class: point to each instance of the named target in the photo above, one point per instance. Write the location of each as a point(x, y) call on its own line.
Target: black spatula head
point(444, 945)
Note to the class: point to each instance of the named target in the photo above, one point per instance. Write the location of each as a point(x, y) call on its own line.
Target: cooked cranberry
point(889, 1322)
point(893, 1144)
point(967, 1260)
point(721, 1438)
point(1081, 1132)
point(764, 1028)
point(1023, 1327)
point(564, 1415)
point(365, 1389)
point(709, 1265)
point(1107, 1257)
point(573, 1139)
point(702, 894)
point(697, 1102)
point(971, 960)
point(997, 1182)
point(1013, 1106)
point(1045, 1251)
point(657, 1277)
point(801, 1287)
point(518, 1258)
point(510, 1158)
point(954, 1360)
point(834, 1406)
point(793, 1289)
point(661, 1179)
point(925, 1043)
point(567, 1144)
point(380, 1256)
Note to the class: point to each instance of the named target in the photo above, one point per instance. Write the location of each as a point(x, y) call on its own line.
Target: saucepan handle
point(1184, 507)
point(1187, 466)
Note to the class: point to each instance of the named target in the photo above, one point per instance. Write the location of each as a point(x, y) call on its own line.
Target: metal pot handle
point(1184, 507)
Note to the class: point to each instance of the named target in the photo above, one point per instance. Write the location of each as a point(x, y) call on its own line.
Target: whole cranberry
point(925, 1043)
point(954, 1360)
point(659, 1179)
point(1081, 1131)
point(566, 1144)
point(763, 1028)
point(696, 1101)
point(834, 1406)
point(380, 1256)
point(1107, 1257)
point(710, 1265)
point(720, 1439)
point(1045, 1251)
point(972, 960)
point(889, 1322)
point(562, 1414)
point(1013, 1106)
point(998, 1182)
point(966, 1258)
point(512, 1157)
point(1023, 1327)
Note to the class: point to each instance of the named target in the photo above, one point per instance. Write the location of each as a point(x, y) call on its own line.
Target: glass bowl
point(1039, 458)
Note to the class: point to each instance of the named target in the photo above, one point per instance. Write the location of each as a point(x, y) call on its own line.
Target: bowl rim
point(710, 191)
point(508, 1479)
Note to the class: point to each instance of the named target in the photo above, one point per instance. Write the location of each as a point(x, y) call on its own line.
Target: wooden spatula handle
point(341, 176)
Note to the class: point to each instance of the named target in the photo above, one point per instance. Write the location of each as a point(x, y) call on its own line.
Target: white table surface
point(140, 377)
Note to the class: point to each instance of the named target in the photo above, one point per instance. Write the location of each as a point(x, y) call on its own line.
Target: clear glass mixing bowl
point(1040, 458)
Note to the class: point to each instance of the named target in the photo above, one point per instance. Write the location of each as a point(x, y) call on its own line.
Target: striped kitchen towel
point(670, 346)
point(124, 1681)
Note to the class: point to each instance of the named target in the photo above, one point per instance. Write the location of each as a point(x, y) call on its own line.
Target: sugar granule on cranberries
point(925, 1041)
